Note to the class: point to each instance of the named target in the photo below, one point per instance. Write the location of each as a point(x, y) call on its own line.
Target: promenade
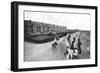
point(45, 51)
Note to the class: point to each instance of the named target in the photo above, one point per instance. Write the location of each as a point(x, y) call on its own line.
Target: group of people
point(73, 46)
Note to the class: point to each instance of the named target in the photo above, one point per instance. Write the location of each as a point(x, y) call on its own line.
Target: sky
point(71, 20)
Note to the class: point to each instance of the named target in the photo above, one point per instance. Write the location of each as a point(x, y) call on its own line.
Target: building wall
point(34, 28)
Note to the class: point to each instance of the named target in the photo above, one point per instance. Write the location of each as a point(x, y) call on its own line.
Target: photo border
point(14, 35)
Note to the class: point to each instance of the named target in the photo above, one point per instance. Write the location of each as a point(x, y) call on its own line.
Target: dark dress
point(72, 46)
point(79, 46)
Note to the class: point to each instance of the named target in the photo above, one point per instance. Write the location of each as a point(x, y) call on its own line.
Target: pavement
point(45, 51)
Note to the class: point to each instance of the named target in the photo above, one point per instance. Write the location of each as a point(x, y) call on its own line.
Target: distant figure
point(79, 46)
point(72, 45)
point(88, 51)
point(66, 54)
point(69, 36)
point(57, 38)
point(66, 40)
point(55, 41)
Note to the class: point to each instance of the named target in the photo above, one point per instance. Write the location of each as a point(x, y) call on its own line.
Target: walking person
point(72, 45)
point(68, 53)
point(69, 37)
point(74, 49)
point(55, 41)
point(79, 46)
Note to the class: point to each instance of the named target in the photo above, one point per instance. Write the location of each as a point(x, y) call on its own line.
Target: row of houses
point(35, 28)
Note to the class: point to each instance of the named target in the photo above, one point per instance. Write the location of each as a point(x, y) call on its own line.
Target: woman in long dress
point(68, 53)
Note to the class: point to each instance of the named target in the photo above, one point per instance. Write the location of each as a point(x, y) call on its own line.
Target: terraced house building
point(32, 28)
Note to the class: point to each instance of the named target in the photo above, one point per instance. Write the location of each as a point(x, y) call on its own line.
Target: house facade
point(35, 28)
